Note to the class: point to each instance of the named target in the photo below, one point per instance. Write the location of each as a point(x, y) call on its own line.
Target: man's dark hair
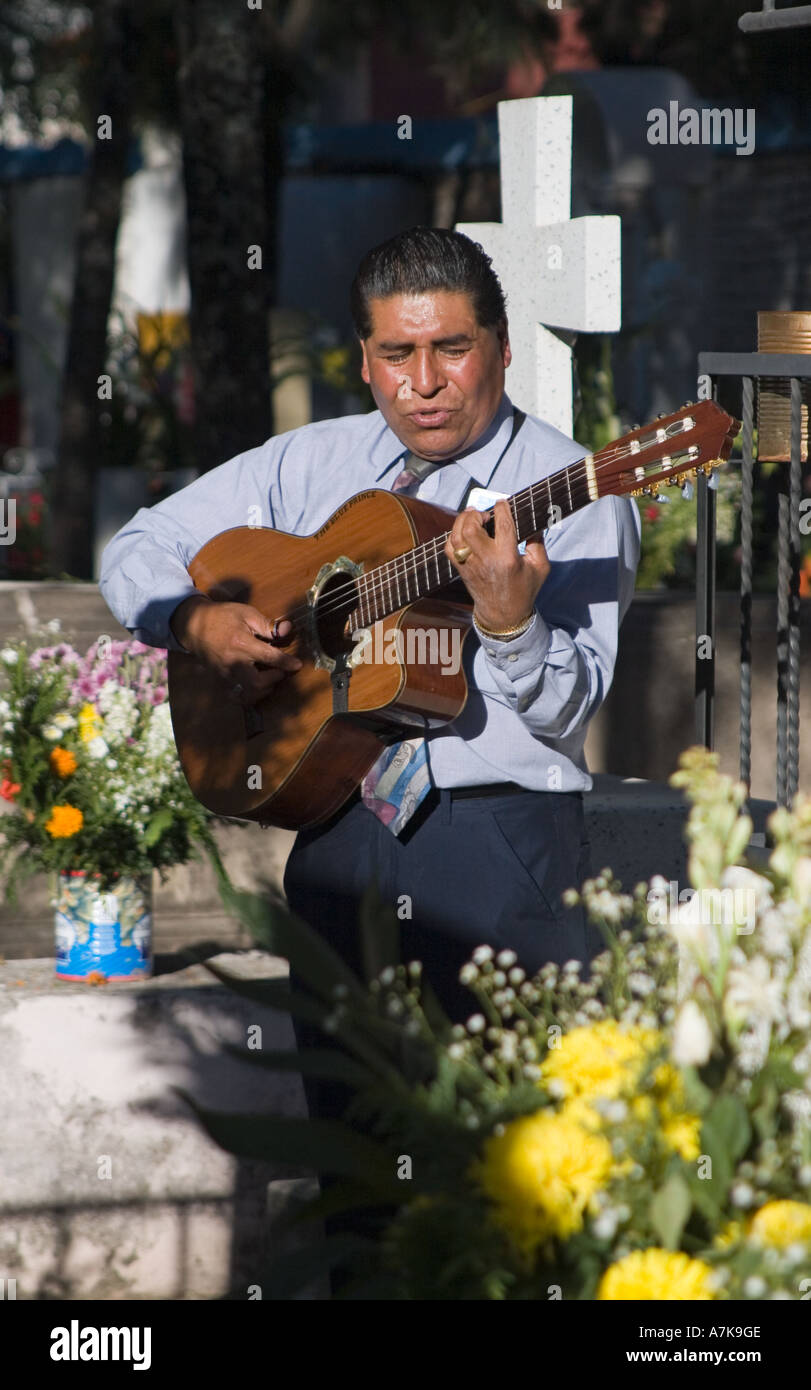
point(425, 259)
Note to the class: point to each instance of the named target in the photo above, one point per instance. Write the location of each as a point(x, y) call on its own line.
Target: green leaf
point(286, 935)
point(669, 1210)
point(322, 1062)
point(273, 994)
point(726, 1128)
point(705, 1196)
point(292, 1271)
point(159, 822)
point(321, 1145)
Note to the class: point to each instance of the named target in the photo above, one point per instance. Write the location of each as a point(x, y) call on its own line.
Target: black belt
point(487, 789)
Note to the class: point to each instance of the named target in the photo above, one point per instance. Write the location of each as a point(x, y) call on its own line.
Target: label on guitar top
point(482, 498)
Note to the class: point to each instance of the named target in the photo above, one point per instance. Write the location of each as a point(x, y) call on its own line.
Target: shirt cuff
point(521, 655)
point(155, 629)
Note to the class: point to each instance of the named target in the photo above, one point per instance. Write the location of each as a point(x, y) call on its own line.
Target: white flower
point(752, 994)
point(97, 747)
point(774, 933)
point(607, 905)
point(742, 1194)
point(63, 720)
point(692, 1037)
point(476, 1024)
point(159, 739)
point(119, 705)
point(52, 732)
point(605, 1226)
point(482, 954)
point(505, 959)
point(754, 1286)
point(756, 888)
point(9, 657)
point(801, 880)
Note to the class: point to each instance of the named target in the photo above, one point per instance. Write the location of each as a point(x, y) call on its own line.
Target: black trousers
point(472, 871)
point(479, 870)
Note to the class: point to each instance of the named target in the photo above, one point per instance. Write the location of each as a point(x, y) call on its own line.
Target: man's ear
point(364, 366)
point(504, 343)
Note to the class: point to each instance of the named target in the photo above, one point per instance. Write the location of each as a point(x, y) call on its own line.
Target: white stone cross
point(555, 270)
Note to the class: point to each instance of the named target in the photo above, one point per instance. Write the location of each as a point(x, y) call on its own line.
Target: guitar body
point(293, 759)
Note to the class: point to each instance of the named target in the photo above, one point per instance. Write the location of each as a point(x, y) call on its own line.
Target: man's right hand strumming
point(245, 647)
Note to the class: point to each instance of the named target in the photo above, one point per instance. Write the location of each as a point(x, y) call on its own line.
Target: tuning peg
point(661, 415)
point(712, 479)
point(687, 490)
point(637, 426)
point(662, 497)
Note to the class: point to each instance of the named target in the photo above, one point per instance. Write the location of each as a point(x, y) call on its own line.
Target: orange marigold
point(62, 761)
point(64, 822)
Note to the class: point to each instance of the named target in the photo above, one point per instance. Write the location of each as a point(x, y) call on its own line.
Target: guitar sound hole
point(337, 599)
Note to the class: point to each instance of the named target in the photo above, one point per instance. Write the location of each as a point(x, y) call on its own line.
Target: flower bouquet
point(644, 1133)
point(96, 794)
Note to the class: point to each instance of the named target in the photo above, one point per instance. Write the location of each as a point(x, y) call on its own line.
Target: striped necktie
point(399, 781)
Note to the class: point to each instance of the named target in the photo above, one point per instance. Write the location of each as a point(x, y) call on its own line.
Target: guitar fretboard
point(426, 569)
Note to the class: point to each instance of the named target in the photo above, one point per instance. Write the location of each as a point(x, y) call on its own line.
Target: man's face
point(436, 376)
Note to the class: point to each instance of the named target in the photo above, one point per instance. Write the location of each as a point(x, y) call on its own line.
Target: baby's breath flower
point(482, 954)
point(476, 1023)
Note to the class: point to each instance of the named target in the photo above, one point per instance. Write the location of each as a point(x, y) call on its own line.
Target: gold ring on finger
point(462, 555)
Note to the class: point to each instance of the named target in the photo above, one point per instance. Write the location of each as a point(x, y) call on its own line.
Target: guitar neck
point(426, 569)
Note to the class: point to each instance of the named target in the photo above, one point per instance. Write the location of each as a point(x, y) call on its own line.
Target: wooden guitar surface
point(291, 760)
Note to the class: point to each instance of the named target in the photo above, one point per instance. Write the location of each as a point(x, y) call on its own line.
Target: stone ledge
point(93, 1073)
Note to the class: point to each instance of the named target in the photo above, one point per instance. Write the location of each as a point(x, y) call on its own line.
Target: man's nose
point(427, 377)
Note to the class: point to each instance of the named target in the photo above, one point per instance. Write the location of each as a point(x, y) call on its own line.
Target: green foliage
point(573, 1125)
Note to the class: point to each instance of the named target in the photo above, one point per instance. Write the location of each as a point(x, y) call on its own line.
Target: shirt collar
point(478, 462)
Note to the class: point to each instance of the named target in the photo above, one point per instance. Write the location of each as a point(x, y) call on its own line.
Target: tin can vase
point(103, 936)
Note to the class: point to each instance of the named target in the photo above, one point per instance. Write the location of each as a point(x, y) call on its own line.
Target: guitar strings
point(370, 586)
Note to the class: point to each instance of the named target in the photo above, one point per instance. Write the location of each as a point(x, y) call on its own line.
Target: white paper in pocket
point(482, 498)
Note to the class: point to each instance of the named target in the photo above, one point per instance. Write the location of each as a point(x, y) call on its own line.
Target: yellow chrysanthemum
point(659, 1275)
point(782, 1224)
point(600, 1059)
point(89, 723)
point(541, 1174)
point(683, 1133)
point(62, 762)
point(64, 822)
point(730, 1235)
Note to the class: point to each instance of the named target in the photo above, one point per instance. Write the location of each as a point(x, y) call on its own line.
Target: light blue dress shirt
point(531, 697)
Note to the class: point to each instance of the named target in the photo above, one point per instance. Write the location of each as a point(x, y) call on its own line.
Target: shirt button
point(513, 656)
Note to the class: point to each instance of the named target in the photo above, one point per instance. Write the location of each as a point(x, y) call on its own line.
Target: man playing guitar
point(479, 826)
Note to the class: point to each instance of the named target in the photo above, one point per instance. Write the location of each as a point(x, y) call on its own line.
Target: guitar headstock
point(673, 449)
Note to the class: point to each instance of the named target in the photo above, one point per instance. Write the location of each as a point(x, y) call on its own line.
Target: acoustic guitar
point(377, 612)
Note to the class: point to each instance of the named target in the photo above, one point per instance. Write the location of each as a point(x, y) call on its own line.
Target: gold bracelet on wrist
point(505, 632)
